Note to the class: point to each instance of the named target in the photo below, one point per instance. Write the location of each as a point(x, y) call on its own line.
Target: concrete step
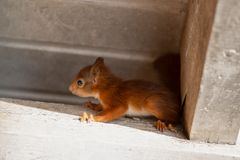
point(44, 43)
point(36, 130)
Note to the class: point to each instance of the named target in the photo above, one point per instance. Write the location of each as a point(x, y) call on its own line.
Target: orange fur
point(118, 97)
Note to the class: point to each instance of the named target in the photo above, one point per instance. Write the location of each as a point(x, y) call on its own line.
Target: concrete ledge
point(31, 133)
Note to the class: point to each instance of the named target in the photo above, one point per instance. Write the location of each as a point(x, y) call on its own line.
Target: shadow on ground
point(142, 123)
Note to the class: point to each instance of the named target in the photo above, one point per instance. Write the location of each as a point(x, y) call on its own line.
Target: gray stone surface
point(31, 131)
point(193, 51)
point(212, 110)
point(44, 43)
point(28, 73)
point(150, 26)
point(141, 123)
point(219, 97)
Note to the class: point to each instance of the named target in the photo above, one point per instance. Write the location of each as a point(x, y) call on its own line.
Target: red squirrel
point(118, 97)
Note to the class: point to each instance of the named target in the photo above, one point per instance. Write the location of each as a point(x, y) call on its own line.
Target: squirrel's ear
point(99, 60)
point(96, 68)
point(98, 63)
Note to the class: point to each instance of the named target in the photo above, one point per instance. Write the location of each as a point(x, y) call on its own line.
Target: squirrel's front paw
point(86, 117)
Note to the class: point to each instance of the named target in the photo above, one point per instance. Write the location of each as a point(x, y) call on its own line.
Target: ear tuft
point(96, 67)
point(99, 60)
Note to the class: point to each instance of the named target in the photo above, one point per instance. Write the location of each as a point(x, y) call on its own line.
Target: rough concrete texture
point(150, 26)
point(44, 43)
point(24, 72)
point(216, 115)
point(142, 123)
point(193, 51)
point(28, 133)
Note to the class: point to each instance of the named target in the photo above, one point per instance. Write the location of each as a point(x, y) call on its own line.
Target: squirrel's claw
point(160, 125)
point(86, 117)
point(171, 128)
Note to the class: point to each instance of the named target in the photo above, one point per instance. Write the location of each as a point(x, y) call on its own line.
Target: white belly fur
point(132, 112)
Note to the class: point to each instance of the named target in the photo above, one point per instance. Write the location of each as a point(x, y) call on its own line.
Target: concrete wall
point(44, 43)
point(193, 52)
point(150, 26)
point(211, 72)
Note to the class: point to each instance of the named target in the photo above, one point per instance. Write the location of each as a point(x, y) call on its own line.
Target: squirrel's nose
point(70, 88)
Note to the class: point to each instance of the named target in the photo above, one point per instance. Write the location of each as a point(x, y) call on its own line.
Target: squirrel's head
point(86, 82)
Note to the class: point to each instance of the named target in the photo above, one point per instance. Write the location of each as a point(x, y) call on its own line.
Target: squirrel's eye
point(80, 82)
